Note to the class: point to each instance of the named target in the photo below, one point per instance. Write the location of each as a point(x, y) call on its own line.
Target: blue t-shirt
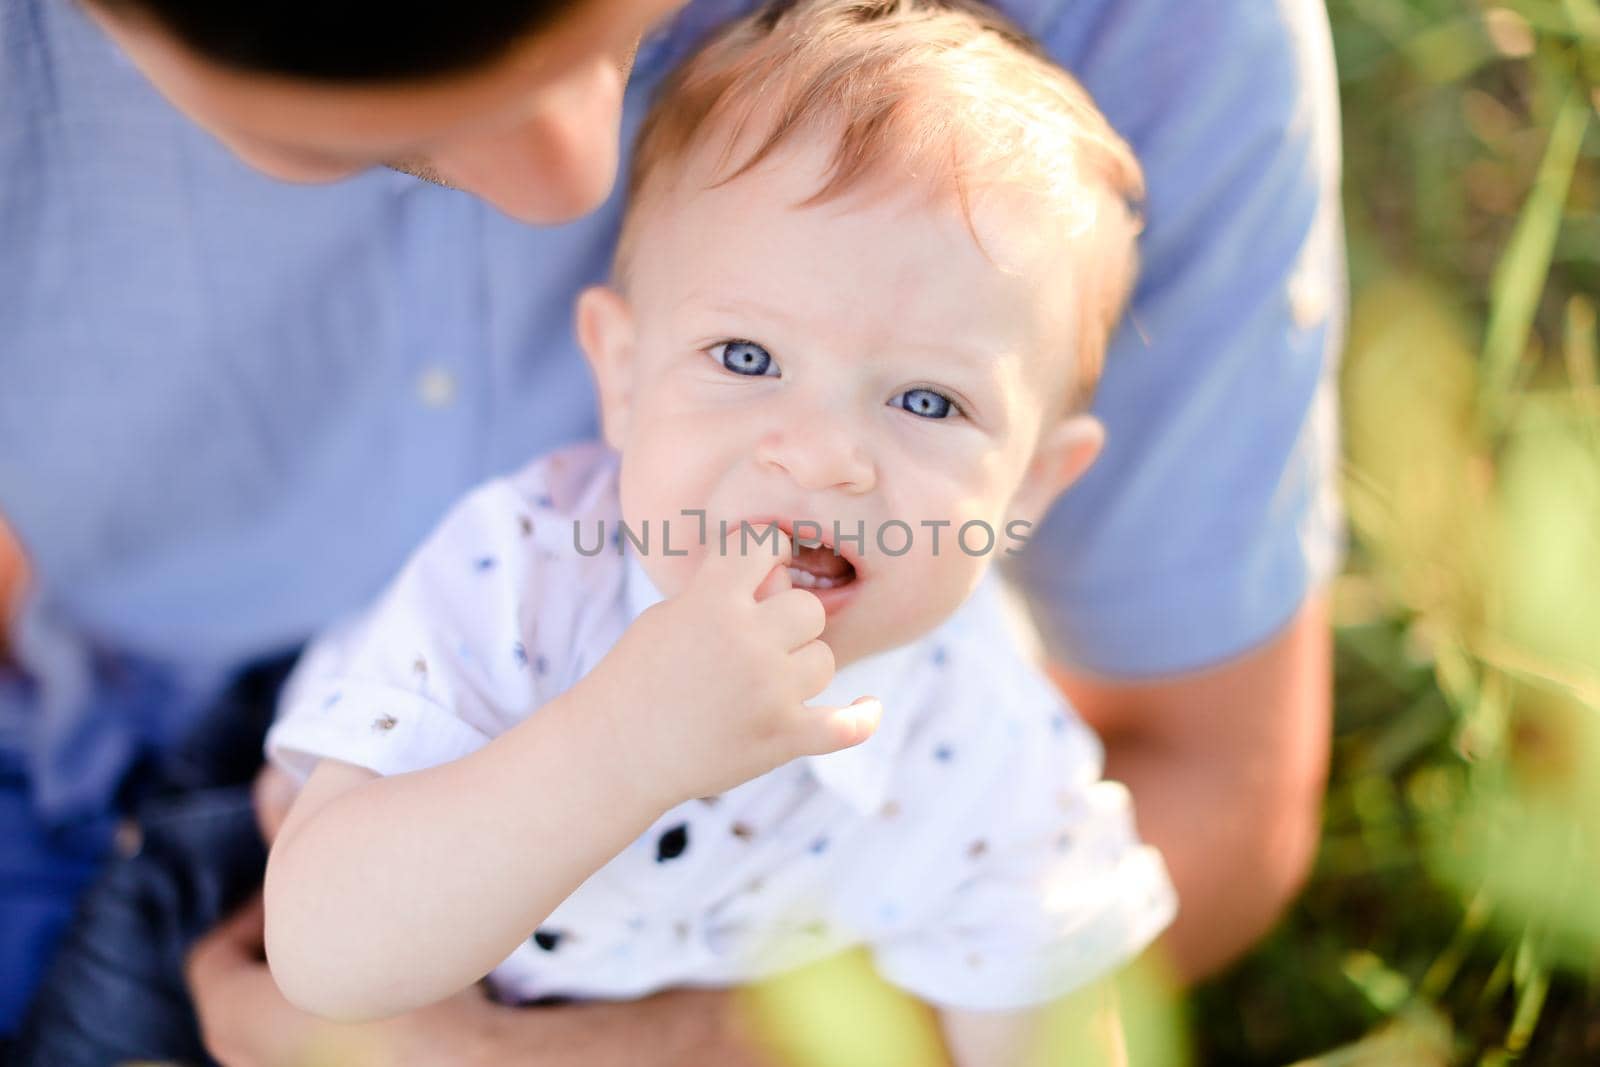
point(229, 407)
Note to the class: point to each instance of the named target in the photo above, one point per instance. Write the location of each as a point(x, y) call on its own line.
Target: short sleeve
point(444, 662)
point(1058, 889)
point(1211, 512)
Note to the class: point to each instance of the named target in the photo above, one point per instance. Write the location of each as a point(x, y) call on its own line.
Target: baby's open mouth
point(820, 567)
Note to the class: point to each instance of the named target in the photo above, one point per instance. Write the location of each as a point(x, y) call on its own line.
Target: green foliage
point(1454, 913)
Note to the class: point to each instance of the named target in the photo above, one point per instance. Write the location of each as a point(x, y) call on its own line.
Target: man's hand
point(246, 1022)
point(1227, 768)
point(13, 578)
point(712, 683)
point(272, 794)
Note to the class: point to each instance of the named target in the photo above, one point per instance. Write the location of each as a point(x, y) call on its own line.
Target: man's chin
point(419, 168)
point(523, 201)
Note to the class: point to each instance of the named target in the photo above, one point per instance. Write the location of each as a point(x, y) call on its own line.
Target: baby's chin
point(855, 637)
point(893, 616)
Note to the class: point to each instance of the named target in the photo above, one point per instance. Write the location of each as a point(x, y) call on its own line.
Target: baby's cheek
point(950, 577)
point(927, 590)
point(673, 573)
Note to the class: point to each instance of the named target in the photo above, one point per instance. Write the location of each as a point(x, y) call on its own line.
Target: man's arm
point(1227, 768)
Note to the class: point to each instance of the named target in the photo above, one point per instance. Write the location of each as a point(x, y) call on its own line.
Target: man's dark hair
point(348, 40)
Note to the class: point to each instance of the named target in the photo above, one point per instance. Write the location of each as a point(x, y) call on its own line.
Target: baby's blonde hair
point(946, 93)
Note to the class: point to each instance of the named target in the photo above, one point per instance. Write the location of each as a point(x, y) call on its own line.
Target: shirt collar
point(859, 774)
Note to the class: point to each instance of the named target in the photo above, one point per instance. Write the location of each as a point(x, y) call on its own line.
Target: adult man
point(201, 366)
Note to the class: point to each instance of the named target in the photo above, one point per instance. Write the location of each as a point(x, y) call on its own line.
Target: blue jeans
point(115, 989)
point(110, 958)
point(42, 871)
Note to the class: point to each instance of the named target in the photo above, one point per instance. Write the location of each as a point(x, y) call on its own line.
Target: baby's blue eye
point(745, 357)
point(924, 402)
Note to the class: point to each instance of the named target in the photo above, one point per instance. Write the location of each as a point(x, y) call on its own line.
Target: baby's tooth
point(807, 580)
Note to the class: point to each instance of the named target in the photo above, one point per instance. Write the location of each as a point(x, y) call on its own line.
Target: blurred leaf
point(1485, 717)
point(1533, 982)
point(1395, 21)
point(1583, 364)
point(1529, 834)
point(1405, 736)
point(1547, 554)
point(1447, 52)
point(1421, 1037)
point(1547, 16)
point(839, 1013)
point(1448, 963)
point(1146, 999)
point(1519, 278)
point(1153, 1014)
point(1584, 16)
point(1386, 989)
point(1415, 482)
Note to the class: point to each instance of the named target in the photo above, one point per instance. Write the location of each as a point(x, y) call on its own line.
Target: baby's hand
point(708, 689)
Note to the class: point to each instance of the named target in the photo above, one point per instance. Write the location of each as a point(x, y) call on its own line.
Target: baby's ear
point(606, 333)
point(1065, 451)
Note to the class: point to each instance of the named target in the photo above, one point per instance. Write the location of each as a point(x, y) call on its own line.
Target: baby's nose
point(819, 453)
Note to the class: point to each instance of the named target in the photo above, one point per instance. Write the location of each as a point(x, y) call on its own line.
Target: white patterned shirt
point(970, 844)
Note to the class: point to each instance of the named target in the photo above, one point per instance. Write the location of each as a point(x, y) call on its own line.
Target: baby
point(733, 691)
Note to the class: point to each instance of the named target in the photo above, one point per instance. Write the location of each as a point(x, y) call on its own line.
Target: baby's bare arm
point(387, 894)
point(244, 1020)
point(384, 895)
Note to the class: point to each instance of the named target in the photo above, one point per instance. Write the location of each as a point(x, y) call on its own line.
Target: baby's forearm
point(387, 894)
